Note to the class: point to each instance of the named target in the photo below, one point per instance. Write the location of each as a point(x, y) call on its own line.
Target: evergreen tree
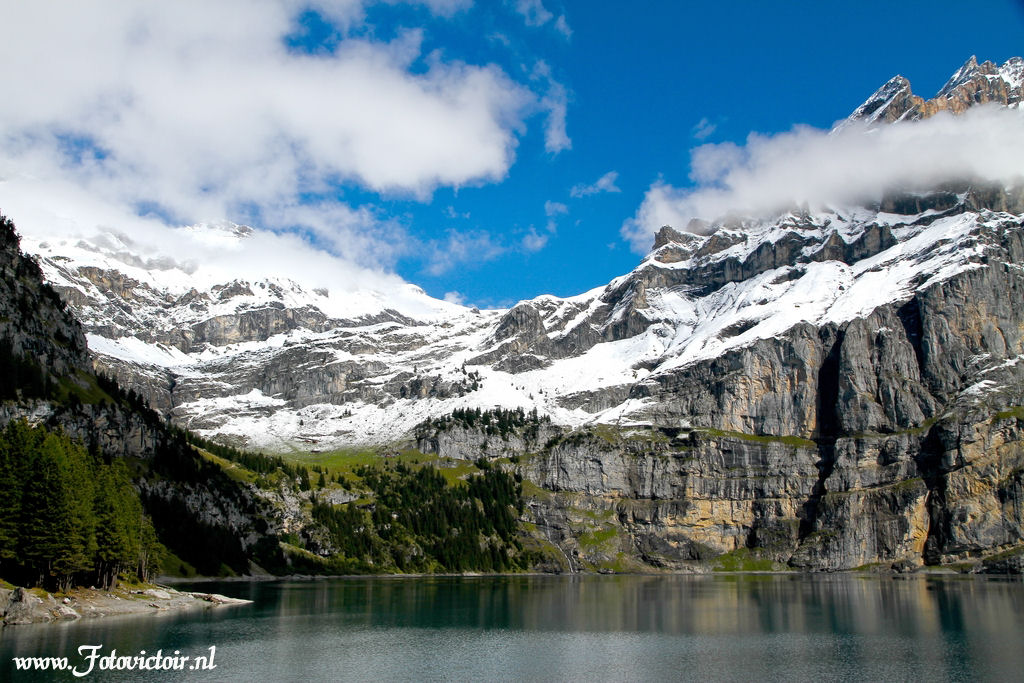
point(150, 552)
point(46, 520)
point(113, 539)
point(79, 492)
point(14, 441)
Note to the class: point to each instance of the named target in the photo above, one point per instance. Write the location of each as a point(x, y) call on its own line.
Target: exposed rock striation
point(34, 321)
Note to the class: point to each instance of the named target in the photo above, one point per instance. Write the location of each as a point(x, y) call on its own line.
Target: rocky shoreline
point(33, 606)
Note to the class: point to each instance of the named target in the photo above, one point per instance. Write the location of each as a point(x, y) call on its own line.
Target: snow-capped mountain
point(155, 297)
point(827, 388)
point(275, 363)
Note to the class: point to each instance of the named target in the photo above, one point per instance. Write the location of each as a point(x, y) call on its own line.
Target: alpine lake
point(717, 627)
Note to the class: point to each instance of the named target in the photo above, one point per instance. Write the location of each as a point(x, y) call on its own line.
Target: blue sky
point(514, 111)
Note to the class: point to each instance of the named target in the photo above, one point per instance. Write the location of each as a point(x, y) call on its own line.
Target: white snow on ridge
point(683, 328)
point(135, 350)
point(827, 292)
point(215, 256)
point(1013, 72)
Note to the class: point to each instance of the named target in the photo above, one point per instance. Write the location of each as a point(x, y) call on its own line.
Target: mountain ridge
point(366, 374)
point(972, 84)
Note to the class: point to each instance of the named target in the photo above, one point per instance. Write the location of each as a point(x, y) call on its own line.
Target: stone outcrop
point(609, 499)
point(20, 606)
point(37, 329)
point(34, 321)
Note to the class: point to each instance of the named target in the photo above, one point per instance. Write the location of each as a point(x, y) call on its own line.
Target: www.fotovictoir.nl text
point(91, 658)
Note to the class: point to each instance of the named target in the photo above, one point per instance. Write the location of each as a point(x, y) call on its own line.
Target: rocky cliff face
point(34, 321)
point(874, 432)
point(945, 493)
point(892, 439)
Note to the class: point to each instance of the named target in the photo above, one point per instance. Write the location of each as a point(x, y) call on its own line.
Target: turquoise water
point(593, 628)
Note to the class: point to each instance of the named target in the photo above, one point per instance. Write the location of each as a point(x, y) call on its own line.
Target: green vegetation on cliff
point(419, 522)
point(264, 468)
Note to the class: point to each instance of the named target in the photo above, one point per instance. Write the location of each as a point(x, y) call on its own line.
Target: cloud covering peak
point(851, 165)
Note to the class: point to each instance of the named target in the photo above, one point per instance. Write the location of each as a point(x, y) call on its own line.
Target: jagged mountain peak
point(145, 289)
point(965, 73)
point(1011, 73)
point(667, 234)
point(892, 96)
point(604, 355)
point(972, 84)
point(256, 359)
point(800, 389)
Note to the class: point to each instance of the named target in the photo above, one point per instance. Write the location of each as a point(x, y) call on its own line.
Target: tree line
point(497, 422)
point(69, 515)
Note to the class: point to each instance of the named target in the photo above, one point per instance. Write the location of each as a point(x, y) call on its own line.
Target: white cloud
point(552, 210)
point(703, 129)
point(194, 96)
point(198, 111)
point(445, 8)
point(356, 235)
point(208, 256)
point(605, 183)
point(455, 298)
point(450, 212)
point(535, 14)
point(853, 165)
point(562, 26)
point(533, 11)
point(500, 39)
point(556, 103)
point(534, 241)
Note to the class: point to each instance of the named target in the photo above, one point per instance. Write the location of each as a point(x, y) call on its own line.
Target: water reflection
point(664, 604)
point(595, 627)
